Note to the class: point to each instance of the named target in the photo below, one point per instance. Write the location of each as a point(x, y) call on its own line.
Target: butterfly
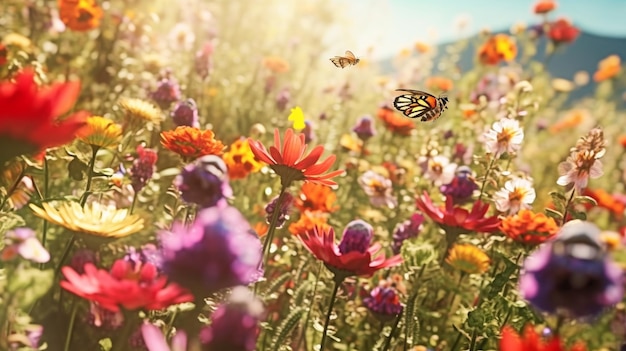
point(343, 61)
point(417, 104)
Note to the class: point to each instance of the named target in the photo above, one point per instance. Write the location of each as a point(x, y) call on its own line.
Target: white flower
point(181, 37)
point(379, 189)
point(506, 135)
point(440, 170)
point(517, 194)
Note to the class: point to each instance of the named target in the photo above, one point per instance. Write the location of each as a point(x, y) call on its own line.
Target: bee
point(343, 61)
point(417, 104)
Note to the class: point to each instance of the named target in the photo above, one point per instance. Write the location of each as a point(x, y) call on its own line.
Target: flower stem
point(66, 252)
point(132, 206)
point(70, 327)
point(393, 331)
point(473, 341)
point(567, 205)
point(482, 187)
point(12, 189)
point(308, 315)
point(92, 163)
point(333, 297)
point(46, 184)
point(272, 229)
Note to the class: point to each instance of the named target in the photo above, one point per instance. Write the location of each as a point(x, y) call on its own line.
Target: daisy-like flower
point(181, 37)
point(439, 170)
point(240, 160)
point(379, 189)
point(517, 193)
point(354, 255)
point(92, 222)
point(140, 112)
point(127, 285)
point(457, 219)
point(29, 116)
point(506, 135)
point(191, 143)
point(529, 228)
point(468, 259)
point(530, 340)
point(291, 163)
point(316, 197)
point(577, 169)
point(101, 132)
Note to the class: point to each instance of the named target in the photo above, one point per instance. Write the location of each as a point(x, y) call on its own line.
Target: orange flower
point(422, 47)
point(290, 162)
point(316, 197)
point(308, 221)
point(622, 140)
point(191, 143)
point(608, 68)
point(571, 120)
point(350, 143)
point(496, 49)
point(440, 83)
point(261, 228)
point(607, 201)
point(529, 228)
point(276, 64)
point(544, 6)
point(395, 123)
point(80, 15)
point(240, 160)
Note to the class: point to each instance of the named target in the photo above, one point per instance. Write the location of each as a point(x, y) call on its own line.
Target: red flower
point(562, 31)
point(456, 217)
point(28, 116)
point(3, 54)
point(291, 163)
point(126, 286)
point(321, 243)
point(530, 341)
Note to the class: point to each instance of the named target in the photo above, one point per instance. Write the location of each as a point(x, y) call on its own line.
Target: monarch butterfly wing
point(338, 61)
point(350, 55)
point(409, 106)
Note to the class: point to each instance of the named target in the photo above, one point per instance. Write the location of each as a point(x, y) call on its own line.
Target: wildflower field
point(198, 175)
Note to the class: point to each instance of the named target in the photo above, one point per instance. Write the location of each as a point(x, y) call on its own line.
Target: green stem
point(132, 206)
point(308, 315)
point(456, 341)
point(68, 248)
point(567, 205)
point(70, 328)
point(473, 341)
point(482, 187)
point(12, 188)
point(333, 297)
point(46, 184)
point(272, 229)
point(393, 331)
point(92, 163)
point(559, 323)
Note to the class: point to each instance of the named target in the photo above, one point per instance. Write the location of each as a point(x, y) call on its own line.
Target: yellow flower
point(468, 258)
point(297, 116)
point(240, 160)
point(140, 111)
point(95, 221)
point(17, 40)
point(101, 132)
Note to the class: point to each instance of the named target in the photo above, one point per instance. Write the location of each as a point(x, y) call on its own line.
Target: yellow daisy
point(101, 132)
point(468, 258)
point(138, 110)
point(95, 221)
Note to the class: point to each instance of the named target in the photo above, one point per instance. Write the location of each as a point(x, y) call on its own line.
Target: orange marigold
point(439, 83)
point(308, 221)
point(316, 197)
point(529, 228)
point(394, 122)
point(496, 49)
point(544, 6)
point(80, 15)
point(240, 160)
point(191, 143)
point(608, 68)
point(607, 201)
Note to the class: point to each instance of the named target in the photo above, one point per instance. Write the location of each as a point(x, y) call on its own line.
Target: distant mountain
point(581, 55)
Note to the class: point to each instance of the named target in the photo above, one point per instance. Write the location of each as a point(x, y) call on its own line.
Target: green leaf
point(579, 215)
point(585, 199)
point(476, 318)
point(30, 284)
point(286, 327)
point(553, 213)
point(276, 284)
point(105, 344)
point(9, 221)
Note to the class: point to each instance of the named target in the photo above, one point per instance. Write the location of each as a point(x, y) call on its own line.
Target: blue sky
point(390, 25)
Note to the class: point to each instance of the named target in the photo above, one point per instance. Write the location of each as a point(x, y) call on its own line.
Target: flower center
point(517, 195)
point(505, 136)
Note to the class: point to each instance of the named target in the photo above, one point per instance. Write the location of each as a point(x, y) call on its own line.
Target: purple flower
point(147, 254)
point(154, 340)
point(406, 230)
point(242, 313)
point(143, 168)
point(204, 182)
point(572, 273)
point(309, 133)
point(167, 91)
point(215, 252)
point(384, 303)
point(356, 237)
point(185, 113)
point(282, 99)
point(462, 186)
point(283, 212)
point(364, 128)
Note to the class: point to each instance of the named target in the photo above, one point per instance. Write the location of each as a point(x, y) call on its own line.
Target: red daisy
point(29, 116)
point(458, 218)
point(346, 259)
point(292, 164)
point(530, 341)
point(126, 286)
